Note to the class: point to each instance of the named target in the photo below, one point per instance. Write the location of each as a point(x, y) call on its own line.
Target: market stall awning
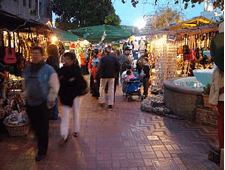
point(14, 23)
point(107, 33)
point(65, 35)
point(188, 27)
point(194, 22)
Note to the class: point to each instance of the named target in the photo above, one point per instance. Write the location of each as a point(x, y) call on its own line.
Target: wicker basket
point(18, 130)
point(206, 100)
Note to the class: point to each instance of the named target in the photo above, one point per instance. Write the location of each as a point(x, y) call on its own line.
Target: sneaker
point(110, 106)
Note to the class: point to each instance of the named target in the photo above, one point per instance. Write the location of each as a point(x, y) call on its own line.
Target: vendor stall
point(179, 49)
point(17, 37)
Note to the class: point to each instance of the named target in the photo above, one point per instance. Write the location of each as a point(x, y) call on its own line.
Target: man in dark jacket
point(108, 70)
point(124, 59)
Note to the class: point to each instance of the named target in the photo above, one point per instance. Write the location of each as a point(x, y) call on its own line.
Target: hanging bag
point(85, 88)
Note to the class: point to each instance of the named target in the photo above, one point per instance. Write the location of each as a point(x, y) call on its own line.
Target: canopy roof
point(14, 23)
point(194, 22)
point(65, 35)
point(194, 26)
point(94, 34)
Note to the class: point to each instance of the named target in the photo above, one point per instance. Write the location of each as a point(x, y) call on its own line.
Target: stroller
point(132, 88)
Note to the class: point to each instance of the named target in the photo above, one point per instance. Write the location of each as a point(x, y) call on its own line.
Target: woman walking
point(72, 84)
point(53, 60)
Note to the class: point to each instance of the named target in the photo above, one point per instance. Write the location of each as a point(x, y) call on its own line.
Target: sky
point(129, 15)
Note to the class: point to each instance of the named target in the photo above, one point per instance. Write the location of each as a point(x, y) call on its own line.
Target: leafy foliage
point(206, 90)
point(163, 17)
point(112, 19)
point(216, 3)
point(83, 13)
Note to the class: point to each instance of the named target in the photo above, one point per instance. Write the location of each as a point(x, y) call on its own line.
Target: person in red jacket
point(93, 66)
point(83, 63)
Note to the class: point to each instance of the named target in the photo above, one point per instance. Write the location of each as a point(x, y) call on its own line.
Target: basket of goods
point(16, 122)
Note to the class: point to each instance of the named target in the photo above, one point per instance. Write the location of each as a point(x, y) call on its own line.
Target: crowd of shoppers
point(45, 84)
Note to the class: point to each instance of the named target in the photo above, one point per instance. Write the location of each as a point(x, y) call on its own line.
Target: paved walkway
point(122, 138)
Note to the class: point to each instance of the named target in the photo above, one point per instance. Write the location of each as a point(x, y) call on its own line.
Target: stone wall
point(205, 116)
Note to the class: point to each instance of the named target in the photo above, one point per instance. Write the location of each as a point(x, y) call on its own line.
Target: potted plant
point(33, 12)
point(206, 91)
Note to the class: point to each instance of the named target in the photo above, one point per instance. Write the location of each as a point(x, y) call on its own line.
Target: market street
point(120, 138)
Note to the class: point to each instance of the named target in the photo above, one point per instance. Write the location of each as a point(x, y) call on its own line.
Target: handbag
point(85, 89)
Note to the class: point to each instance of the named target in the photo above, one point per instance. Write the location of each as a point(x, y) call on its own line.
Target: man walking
point(125, 60)
point(109, 68)
point(41, 85)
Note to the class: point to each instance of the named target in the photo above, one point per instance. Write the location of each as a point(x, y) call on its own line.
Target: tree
point(216, 3)
point(163, 17)
point(81, 13)
point(112, 19)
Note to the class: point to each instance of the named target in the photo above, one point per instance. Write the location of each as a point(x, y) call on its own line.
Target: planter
point(206, 100)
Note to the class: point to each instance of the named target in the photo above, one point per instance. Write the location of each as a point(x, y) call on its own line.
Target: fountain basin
point(183, 100)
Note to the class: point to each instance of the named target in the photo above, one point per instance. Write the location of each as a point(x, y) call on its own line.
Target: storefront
point(17, 37)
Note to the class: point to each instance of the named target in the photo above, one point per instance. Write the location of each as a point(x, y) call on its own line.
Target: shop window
point(36, 5)
point(24, 2)
point(40, 7)
point(30, 3)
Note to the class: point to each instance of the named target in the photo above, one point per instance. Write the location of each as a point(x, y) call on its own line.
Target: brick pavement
point(122, 138)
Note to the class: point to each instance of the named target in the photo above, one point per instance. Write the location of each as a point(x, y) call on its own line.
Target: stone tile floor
point(122, 138)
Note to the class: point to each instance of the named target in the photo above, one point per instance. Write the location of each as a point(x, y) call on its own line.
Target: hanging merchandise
point(10, 55)
point(186, 47)
point(79, 51)
point(73, 46)
point(20, 60)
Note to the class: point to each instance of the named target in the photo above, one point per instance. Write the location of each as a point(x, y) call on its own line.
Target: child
point(146, 76)
point(130, 75)
point(93, 66)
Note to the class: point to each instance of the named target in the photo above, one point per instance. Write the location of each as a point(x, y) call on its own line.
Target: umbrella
point(106, 33)
point(217, 50)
